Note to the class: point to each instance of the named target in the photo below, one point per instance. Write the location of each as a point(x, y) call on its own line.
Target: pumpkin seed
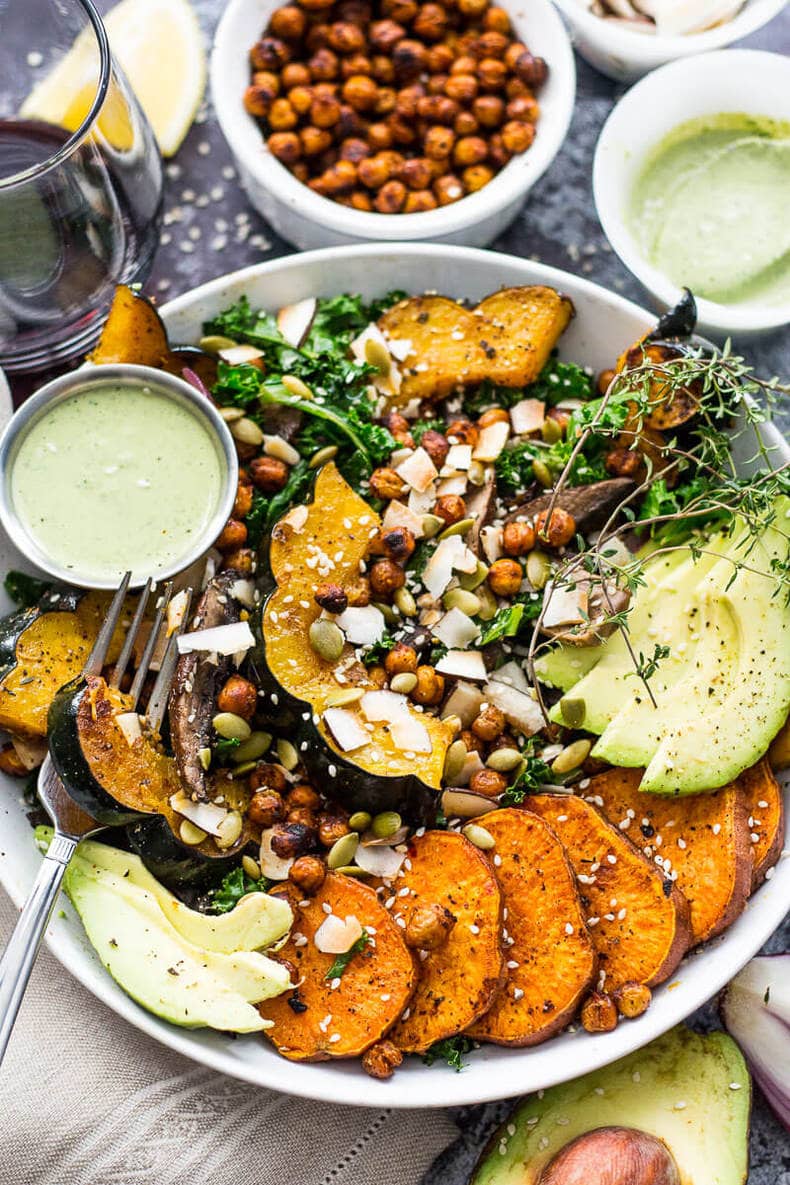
point(403, 683)
point(342, 851)
point(405, 602)
point(431, 525)
point(550, 430)
point(504, 760)
point(346, 695)
point(378, 355)
point(473, 580)
point(459, 598)
point(326, 639)
point(251, 867)
point(288, 754)
point(246, 767)
point(231, 727)
point(190, 833)
point(571, 757)
point(281, 450)
point(351, 870)
point(573, 711)
point(229, 830)
point(488, 605)
point(359, 821)
point(214, 342)
point(459, 528)
point(385, 824)
point(296, 387)
point(204, 757)
point(254, 747)
point(479, 836)
point(246, 431)
point(454, 723)
point(538, 568)
point(542, 474)
point(322, 456)
point(454, 761)
point(231, 414)
point(477, 473)
point(388, 613)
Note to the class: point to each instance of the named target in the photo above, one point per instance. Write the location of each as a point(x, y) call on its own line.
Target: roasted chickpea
point(472, 743)
point(489, 723)
point(374, 172)
point(331, 828)
point(381, 1060)
point(461, 87)
point(360, 92)
point(494, 415)
point(295, 74)
point(465, 124)
point(358, 591)
point(419, 200)
point(386, 578)
point(436, 446)
point(436, 83)
point(599, 1013)
point(355, 63)
point(379, 137)
point(410, 59)
point(604, 380)
point(282, 116)
point(488, 782)
point(430, 686)
point(497, 153)
point(238, 695)
point(476, 177)
point(623, 462)
point(632, 999)
point(382, 69)
point(386, 101)
point(398, 426)
point(267, 776)
point(402, 659)
point(403, 130)
point(448, 189)
point(517, 137)
point(465, 64)
point(10, 762)
point(350, 123)
point(301, 814)
point(340, 177)
point(561, 416)
point(314, 140)
point(463, 432)
point(408, 99)
point(492, 73)
point(497, 20)
point(386, 483)
point(438, 145)
point(504, 577)
point(451, 508)
point(303, 795)
point(391, 198)
point(515, 89)
point(257, 101)
point(489, 110)
point(317, 36)
point(308, 873)
point(402, 12)
point(293, 839)
point(559, 530)
point(518, 538)
point(301, 171)
point(358, 12)
point(430, 23)
point(440, 59)
point(288, 22)
point(471, 150)
point(472, 8)
point(286, 146)
point(523, 108)
point(232, 535)
point(270, 53)
point(354, 149)
point(266, 808)
point(428, 927)
point(268, 474)
point(377, 676)
point(331, 597)
point(491, 44)
point(324, 111)
point(300, 98)
point(416, 173)
point(437, 109)
point(324, 65)
point(241, 560)
point(513, 53)
point(346, 38)
point(385, 35)
point(397, 544)
point(531, 70)
point(242, 504)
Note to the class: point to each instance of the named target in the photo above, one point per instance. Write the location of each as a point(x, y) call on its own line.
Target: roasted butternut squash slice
point(458, 980)
point(551, 960)
point(507, 339)
point(326, 1018)
point(702, 837)
point(765, 807)
point(638, 918)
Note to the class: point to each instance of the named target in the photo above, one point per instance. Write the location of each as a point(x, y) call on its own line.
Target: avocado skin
point(708, 1136)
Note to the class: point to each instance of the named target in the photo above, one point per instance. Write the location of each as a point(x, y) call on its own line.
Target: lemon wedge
point(159, 46)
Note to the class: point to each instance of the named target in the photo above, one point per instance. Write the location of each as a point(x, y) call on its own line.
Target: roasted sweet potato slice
point(669, 408)
point(765, 809)
point(317, 1020)
point(703, 837)
point(638, 918)
point(506, 339)
point(458, 980)
point(551, 960)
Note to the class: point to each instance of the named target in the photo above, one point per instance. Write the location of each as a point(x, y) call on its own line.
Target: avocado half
point(690, 1090)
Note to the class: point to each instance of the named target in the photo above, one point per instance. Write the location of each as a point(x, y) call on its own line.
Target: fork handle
point(20, 953)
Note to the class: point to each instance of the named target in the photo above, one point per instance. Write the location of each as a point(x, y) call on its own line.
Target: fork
point(71, 822)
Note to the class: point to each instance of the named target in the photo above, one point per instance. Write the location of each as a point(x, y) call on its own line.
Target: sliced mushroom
point(279, 420)
point(480, 506)
point(602, 603)
point(590, 505)
point(198, 680)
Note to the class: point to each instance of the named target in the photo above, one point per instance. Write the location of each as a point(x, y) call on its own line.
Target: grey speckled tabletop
point(210, 228)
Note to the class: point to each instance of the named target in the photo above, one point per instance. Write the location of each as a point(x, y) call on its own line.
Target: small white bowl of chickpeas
point(375, 120)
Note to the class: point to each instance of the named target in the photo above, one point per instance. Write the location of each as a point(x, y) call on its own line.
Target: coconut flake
point(512, 674)
point(465, 664)
point(238, 355)
point(527, 416)
point(459, 456)
point(386, 384)
point(470, 767)
point(383, 705)
point(234, 638)
point(457, 484)
point(398, 515)
point(335, 936)
point(491, 542)
point(346, 728)
point(451, 555)
point(491, 441)
point(456, 630)
point(421, 503)
point(243, 591)
point(565, 606)
point(418, 470)
point(205, 815)
point(129, 724)
point(176, 608)
point(465, 702)
point(400, 348)
point(273, 866)
point(409, 734)
point(379, 860)
point(294, 320)
point(362, 624)
point(520, 710)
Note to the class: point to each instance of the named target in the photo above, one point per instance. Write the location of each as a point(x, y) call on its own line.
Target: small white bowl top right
point(733, 81)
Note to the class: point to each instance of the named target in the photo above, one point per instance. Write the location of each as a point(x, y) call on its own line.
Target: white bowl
point(625, 54)
point(604, 324)
point(309, 220)
point(742, 81)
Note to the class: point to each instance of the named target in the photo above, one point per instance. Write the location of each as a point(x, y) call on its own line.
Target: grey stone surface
point(210, 229)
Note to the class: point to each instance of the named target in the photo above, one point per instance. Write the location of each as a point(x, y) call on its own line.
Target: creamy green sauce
point(116, 478)
point(711, 208)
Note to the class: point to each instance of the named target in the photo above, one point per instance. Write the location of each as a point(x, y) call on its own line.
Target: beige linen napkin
point(85, 1099)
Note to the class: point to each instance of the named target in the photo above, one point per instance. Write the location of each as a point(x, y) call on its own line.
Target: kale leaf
point(340, 965)
point(533, 774)
point(232, 888)
point(452, 1051)
point(268, 509)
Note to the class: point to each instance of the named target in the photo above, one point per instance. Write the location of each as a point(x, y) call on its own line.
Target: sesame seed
point(474, 929)
point(517, 993)
point(327, 908)
point(334, 983)
point(636, 1076)
point(680, 1105)
point(568, 928)
point(716, 828)
point(335, 1037)
point(735, 1086)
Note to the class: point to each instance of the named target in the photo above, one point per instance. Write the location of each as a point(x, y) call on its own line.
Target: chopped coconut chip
point(459, 456)
point(294, 521)
point(472, 763)
point(243, 591)
point(385, 384)
point(345, 727)
point(176, 608)
point(565, 606)
point(398, 515)
point(491, 542)
point(129, 724)
point(452, 485)
point(277, 446)
point(238, 355)
point(520, 710)
point(465, 702)
point(527, 416)
point(273, 866)
point(362, 624)
point(234, 638)
point(294, 320)
point(491, 441)
point(383, 705)
point(418, 470)
point(205, 815)
point(513, 674)
point(380, 860)
point(422, 503)
point(400, 348)
point(335, 936)
point(456, 630)
point(451, 555)
point(465, 664)
point(409, 734)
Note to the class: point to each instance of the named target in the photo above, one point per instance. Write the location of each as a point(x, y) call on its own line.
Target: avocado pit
point(612, 1156)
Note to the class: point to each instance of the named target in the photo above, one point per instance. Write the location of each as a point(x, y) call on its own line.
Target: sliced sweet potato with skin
point(317, 1021)
point(546, 934)
point(642, 929)
point(506, 339)
point(459, 980)
point(704, 836)
point(765, 817)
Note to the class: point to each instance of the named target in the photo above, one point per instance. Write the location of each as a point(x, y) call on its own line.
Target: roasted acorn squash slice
point(328, 540)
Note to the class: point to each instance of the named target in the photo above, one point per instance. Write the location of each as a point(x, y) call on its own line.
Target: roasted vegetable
point(641, 929)
point(339, 1016)
point(327, 540)
point(591, 505)
point(552, 955)
point(459, 978)
point(507, 339)
point(703, 838)
point(765, 808)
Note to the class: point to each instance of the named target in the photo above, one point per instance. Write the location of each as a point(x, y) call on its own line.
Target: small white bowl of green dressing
point(116, 468)
point(692, 186)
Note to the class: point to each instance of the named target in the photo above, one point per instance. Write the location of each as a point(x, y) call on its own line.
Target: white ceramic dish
point(308, 220)
point(625, 54)
point(603, 325)
point(741, 81)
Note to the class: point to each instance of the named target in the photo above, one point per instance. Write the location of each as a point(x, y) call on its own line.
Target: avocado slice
point(691, 1090)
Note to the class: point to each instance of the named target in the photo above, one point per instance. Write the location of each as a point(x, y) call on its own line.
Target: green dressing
point(116, 478)
point(710, 208)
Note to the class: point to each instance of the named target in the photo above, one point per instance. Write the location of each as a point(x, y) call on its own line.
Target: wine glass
point(80, 182)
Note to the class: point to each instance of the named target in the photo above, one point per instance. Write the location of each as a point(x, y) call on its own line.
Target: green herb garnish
point(340, 965)
point(233, 887)
point(533, 774)
point(452, 1051)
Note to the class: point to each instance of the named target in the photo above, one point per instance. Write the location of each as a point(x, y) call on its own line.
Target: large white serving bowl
point(309, 220)
point(603, 325)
